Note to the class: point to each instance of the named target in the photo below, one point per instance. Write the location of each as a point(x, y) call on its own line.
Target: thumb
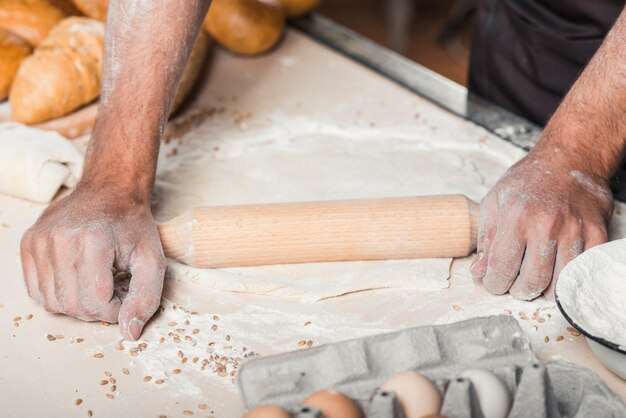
point(144, 294)
point(486, 233)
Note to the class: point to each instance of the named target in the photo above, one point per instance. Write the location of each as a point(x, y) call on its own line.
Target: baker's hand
point(69, 253)
point(539, 216)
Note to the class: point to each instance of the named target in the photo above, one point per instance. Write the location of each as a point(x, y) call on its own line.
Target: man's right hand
point(69, 253)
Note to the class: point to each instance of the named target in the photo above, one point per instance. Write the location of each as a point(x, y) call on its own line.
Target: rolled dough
point(35, 164)
point(299, 159)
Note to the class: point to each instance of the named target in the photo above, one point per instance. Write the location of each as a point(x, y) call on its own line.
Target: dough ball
point(246, 27)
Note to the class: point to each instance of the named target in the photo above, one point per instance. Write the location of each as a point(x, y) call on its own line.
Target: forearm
point(589, 126)
point(147, 44)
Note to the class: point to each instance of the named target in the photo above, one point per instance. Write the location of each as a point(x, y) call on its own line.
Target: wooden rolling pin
point(287, 233)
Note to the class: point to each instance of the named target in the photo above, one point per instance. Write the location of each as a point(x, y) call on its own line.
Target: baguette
point(29, 19)
point(63, 74)
point(13, 50)
point(246, 27)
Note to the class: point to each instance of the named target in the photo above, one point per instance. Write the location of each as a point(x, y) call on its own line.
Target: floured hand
point(69, 253)
point(540, 215)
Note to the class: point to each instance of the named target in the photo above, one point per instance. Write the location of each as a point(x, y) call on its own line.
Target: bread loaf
point(13, 50)
point(96, 9)
point(63, 74)
point(246, 27)
point(29, 19)
point(293, 8)
point(192, 70)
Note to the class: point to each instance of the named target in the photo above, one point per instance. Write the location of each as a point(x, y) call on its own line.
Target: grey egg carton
point(358, 367)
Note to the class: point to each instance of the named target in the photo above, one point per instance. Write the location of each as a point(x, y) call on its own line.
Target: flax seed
point(110, 396)
point(560, 338)
point(573, 331)
point(547, 339)
point(202, 406)
point(176, 371)
point(216, 318)
point(160, 381)
point(125, 371)
point(104, 382)
point(301, 343)
point(29, 316)
point(187, 412)
point(147, 378)
point(78, 402)
point(50, 337)
point(195, 331)
point(104, 324)
point(214, 327)
point(98, 355)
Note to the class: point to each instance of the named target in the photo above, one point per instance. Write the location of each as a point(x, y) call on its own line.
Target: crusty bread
point(293, 8)
point(246, 27)
point(29, 19)
point(13, 50)
point(192, 70)
point(63, 74)
point(96, 9)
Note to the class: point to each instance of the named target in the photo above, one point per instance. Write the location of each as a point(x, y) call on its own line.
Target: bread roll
point(96, 9)
point(192, 70)
point(246, 27)
point(63, 74)
point(29, 19)
point(293, 8)
point(13, 50)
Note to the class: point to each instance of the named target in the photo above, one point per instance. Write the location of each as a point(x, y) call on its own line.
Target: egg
point(417, 395)
point(267, 411)
point(493, 396)
point(334, 404)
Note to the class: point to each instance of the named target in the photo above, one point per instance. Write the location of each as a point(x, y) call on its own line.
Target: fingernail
point(134, 328)
point(479, 256)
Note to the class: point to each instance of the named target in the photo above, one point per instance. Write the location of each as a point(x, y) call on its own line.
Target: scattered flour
point(592, 291)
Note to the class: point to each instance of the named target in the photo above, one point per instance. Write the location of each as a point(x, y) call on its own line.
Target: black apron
point(526, 54)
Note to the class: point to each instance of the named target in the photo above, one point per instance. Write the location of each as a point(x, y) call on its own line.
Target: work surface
point(186, 362)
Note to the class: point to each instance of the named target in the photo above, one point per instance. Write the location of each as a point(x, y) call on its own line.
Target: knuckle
point(505, 270)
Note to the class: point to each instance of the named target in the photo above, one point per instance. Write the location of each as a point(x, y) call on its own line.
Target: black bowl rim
point(599, 340)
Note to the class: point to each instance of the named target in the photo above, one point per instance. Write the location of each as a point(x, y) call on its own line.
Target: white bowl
point(592, 268)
